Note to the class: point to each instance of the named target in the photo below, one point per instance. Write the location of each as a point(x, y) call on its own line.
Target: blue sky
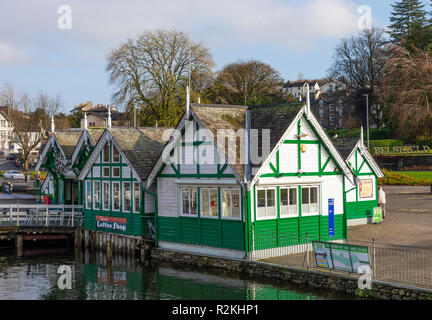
point(293, 36)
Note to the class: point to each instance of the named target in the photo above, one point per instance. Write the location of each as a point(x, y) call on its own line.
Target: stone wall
point(312, 279)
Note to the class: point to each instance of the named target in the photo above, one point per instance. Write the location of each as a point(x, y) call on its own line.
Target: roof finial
point(361, 136)
point(85, 121)
point(109, 118)
point(307, 100)
point(187, 102)
point(52, 124)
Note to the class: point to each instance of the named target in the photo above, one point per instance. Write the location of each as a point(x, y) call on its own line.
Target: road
point(7, 164)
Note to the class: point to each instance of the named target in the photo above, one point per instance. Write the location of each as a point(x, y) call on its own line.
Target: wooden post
point(19, 244)
point(86, 239)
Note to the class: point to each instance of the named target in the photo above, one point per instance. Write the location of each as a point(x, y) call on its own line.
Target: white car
point(14, 175)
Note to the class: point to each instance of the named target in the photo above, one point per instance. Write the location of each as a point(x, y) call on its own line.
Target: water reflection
point(36, 277)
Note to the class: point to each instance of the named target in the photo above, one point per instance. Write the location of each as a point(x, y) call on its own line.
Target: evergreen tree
point(409, 22)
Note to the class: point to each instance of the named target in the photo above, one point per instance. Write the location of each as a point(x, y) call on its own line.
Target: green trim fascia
point(295, 174)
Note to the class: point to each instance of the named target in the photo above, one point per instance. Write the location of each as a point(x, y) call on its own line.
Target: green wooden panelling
point(226, 234)
point(360, 209)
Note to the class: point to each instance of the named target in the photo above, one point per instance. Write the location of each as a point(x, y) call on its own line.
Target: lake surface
point(35, 277)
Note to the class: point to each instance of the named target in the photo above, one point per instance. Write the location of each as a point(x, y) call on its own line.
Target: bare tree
point(359, 63)
point(153, 70)
point(246, 82)
point(407, 89)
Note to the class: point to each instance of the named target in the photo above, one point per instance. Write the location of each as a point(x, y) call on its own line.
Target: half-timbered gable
point(56, 160)
point(114, 200)
point(280, 160)
point(361, 196)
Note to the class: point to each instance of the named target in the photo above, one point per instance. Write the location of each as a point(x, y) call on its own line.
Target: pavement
point(408, 219)
point(7, 164)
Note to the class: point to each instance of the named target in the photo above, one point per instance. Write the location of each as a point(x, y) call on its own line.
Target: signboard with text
point(377, 215)
point(331, 217)
point(112, 224)
point(344, 257)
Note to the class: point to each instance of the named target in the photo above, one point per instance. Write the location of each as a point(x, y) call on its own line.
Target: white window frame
point(103, 152)
point(103, 175)
point(136, 210)
point(208, 189)
point(94, 195)
point(103, 195)
point(88, 182)
point(112, 195)
point(112, 173)
point(230, 217)
point(181, 202)
point(275, 201)
point(112, 154)
point(297, 202)
point(303, 214)
point(124, 196)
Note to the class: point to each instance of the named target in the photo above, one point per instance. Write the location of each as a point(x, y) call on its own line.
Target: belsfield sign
point(111, 223)
point(398, 150)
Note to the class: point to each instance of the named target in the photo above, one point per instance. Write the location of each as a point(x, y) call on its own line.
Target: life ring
point(46, 200)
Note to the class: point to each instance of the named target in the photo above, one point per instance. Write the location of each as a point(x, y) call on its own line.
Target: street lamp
point(367, 117)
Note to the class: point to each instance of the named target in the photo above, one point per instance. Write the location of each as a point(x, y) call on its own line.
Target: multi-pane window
point(116, 155)
point(106, 153)
point(106, 195)
point(310, 200)
point(136, 197)
point(116, 172)
point(288, 202)
point(189, 201)
point(88, 194)
point(231, 203)
point(116, 195)
point(126, 196)
point(266, 203)
point(96, 195)
point(209, 202)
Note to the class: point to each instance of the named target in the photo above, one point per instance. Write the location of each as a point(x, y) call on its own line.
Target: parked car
point(10, 156)
point(14, 175)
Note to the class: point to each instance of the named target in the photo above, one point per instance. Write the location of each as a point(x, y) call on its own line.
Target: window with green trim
point(116, 172)
point(189, 201)
point(126, 196)
point(209, 202)
point(116, 196)
point(106, 153)
point(266, 203)
point(96, 195)
point(106, 195)
point(310, 200)
point(231, 203)
point(288, 202)
point(136, 197)
point(88, 194)
point(115, 155)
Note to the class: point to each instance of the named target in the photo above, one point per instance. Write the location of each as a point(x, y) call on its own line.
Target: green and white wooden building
point(278, 179)
point(362, 197)
point(60, 184)
point(113, 198)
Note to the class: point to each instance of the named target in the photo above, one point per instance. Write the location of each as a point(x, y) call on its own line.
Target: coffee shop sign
point(401, 150)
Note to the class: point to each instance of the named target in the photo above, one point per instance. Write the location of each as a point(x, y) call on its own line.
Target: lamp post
point(367, 117)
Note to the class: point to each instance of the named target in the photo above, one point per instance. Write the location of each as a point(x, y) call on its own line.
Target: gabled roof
point(141, 148)
point(277, 118)
point(93, 135)
point(347, 147)
point(65, 139)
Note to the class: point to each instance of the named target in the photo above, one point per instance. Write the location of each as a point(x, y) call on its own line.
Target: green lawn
point(409, 178)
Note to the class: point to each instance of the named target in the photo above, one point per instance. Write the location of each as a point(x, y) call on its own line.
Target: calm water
point(35, 276)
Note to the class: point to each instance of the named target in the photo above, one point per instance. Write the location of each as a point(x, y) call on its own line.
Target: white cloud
point(10, 56)
point(292, 24)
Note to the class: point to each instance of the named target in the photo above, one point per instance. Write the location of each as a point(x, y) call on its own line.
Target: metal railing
point(406, 265)
point(40, 215)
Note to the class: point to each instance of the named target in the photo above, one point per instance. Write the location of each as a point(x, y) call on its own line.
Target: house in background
point(97, 117)
point(298, 88)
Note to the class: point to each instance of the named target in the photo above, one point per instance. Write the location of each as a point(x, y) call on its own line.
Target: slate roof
point(95, 134)
point(276, 118)
point(68, 140)
point(345, 146)
point(141, 146)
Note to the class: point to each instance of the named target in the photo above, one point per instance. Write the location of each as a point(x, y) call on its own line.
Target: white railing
point(40, 215)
